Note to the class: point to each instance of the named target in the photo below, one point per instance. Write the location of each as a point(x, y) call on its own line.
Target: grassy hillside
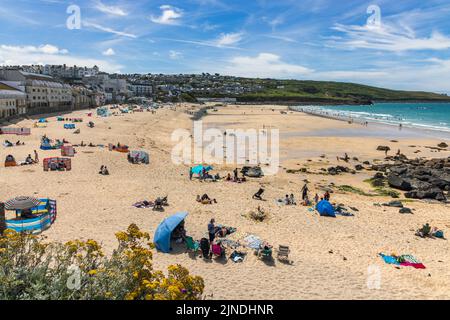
point(328, 92)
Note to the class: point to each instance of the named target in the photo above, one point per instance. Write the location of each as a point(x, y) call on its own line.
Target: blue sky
point(406, 46)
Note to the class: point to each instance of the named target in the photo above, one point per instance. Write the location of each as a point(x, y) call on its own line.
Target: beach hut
point(67, 151)
point(326, 209)
point(164, 231)
point(57, 164)
point(32, 215)
point(138, 157)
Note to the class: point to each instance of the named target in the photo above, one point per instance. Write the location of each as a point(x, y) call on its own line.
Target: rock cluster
point(420, 178)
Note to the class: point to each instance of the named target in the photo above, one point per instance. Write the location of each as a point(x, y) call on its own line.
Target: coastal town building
point(142, 89)
point(12, 101)
point(44, 93)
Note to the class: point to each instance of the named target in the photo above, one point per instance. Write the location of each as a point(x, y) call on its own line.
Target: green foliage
point(31, 268)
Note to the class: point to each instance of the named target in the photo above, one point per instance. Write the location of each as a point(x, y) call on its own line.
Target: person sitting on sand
point(222, 232)
point(326, 196)
point(228, 178)
point(316, 199)
point(292, 200)
point(287, 201)
point(29, 160)
point(205, 199)
point(306, 202)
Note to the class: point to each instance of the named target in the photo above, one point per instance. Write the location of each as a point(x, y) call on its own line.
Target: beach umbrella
point(199, 169)
point(21, 203)
point(164, 231)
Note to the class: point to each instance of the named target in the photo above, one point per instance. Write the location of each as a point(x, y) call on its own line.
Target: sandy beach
point(330, 257)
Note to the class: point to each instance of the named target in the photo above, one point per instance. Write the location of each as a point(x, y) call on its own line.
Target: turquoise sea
point(430, 116)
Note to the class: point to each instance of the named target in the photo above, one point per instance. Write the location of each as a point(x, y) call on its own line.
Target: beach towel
point(143, 204)
point(406, 260)
point(389, 259)
point(253, 241)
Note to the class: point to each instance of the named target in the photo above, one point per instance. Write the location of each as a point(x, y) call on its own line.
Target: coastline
point(413, 130)
point(318, 245)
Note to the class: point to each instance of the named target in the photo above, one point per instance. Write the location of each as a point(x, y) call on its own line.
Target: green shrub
point(31, 268)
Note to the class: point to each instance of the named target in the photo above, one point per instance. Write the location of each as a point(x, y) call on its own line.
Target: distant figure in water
point(400, 126)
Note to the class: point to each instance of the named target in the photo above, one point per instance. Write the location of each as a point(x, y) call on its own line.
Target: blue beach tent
point(325, 209)
point(42, 120)
point(164, 231)
point(199, 169)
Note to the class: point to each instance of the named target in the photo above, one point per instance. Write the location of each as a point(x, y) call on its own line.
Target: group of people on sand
point(179, 233)
point(29, 160)
point(305, 196)
point(205, 199)
point(235, 177)
point(104, 171)
point(8, 143)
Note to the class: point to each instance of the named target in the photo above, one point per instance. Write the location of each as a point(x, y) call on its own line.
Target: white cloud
point(228, 39)
point(174, 55)
point(169, 15)
point(111, 10)
point(49, 54)
point(109, 30)
point(45, 49)
point(264, 65)
point(388, 37)
point(109, 52)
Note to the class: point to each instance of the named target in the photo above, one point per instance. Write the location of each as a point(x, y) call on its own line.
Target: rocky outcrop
point(420, 178)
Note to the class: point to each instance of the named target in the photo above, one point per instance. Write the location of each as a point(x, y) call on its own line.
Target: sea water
point(430, 116)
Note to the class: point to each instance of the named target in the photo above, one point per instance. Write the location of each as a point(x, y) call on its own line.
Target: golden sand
point(330, 257)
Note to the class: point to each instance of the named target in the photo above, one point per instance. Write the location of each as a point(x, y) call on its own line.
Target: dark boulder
point(434, 193)
point(405, 211)
point(399, 183)
point(359, 167)
point(383, 148)
point(378, 175)
point(394, 204)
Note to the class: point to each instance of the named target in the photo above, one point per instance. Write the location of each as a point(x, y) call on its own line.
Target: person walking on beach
point(305, 191)
point(211, 230)
point(190, 173)
point(326, 196)
point(36, 157)
point(235, 172)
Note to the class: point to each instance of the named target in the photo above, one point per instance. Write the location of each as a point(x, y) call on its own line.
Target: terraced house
point(12, 101)
point(44, 93)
